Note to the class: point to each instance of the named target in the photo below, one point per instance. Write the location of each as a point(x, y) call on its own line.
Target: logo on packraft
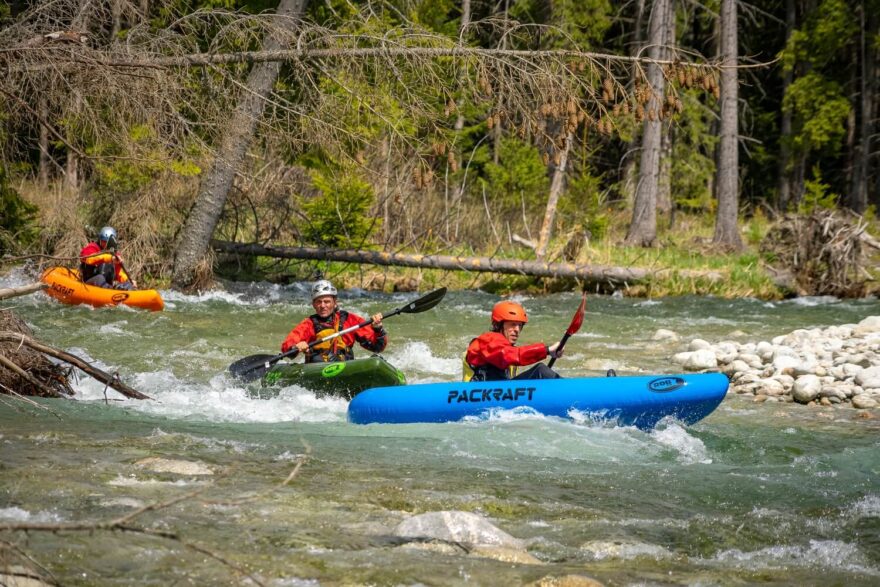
point(666, 384)
point(120, 297)
point(333, 370)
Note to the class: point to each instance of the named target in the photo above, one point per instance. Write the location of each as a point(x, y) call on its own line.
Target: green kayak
point(340, 379)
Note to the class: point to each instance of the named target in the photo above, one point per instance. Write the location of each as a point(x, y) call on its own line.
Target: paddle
point(255, 366)
point(575, 325)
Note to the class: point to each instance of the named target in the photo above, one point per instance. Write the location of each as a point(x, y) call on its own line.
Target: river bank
point(834, 366)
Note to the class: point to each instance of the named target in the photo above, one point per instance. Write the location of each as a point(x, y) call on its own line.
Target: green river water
point(762, 494)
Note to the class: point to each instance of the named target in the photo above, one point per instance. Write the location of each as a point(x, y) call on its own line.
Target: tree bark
point(553, 199)
point(726, 222)
point(590, 274)
point(784, 196)
point(43, 169)
point(643, 227)
point(858, 196)
point(629, 173)
point(196, 234)
point(12, 292)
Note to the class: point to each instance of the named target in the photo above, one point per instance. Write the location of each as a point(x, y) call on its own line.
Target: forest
point(730, 145)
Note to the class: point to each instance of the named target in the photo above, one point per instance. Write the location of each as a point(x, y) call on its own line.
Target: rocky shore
point(835, 366)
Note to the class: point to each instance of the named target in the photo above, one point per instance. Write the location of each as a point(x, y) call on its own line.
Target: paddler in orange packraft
point(100, 264)
point(494, 356)
point(327, 320)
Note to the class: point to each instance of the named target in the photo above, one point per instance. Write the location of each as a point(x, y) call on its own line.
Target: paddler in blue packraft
point(494, 356)
point(327, 320)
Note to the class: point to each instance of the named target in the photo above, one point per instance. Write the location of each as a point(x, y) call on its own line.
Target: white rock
point(867, 326)
point(771, 387)
point(702, 359)
point(698, 344)
point(868, 378)
point(753, 361)
point(456, 526)
point(764, 350)
point(806, 388)
point(863, 402)
point(663, 334)
point(177, 467)
point(782, 362)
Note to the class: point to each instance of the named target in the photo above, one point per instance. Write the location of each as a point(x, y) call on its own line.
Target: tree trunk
point(590, 274)
point(43, 170)
point(726, 225)
point(643, 227)
point(664, 182)
point(556, 187)
point(784, 196)
point(629, 173)
point(858, 196)
point(196, 234)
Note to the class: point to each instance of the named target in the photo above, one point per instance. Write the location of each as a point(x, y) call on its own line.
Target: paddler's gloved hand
point(554, 351)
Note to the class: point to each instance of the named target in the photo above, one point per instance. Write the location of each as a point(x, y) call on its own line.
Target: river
point(765, 494)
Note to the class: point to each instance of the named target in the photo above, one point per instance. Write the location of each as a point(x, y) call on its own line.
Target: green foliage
point(817, 194)
point(828, 30)
point(338, 217)
point(821, 108)
point(16, 217)
point(519, 175)
point(584, 203)
point(575, 22)
point(693, 152)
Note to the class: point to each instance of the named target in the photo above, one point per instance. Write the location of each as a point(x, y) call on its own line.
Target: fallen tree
point(24, 368)
point(590, 275)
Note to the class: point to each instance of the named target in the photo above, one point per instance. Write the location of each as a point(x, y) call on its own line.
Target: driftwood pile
point(25, 369)
point(822, 252)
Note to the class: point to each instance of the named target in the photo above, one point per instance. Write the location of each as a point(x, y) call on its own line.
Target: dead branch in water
point(110, 380)
point(12, 292)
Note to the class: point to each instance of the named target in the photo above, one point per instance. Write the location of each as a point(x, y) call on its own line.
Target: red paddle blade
point(578, 318)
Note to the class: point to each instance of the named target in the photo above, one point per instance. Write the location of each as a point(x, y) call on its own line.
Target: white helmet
point(323, 288)
point(107, 235)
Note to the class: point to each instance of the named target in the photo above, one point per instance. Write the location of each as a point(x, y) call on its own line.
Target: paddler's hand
point(377, 321)
point(554, 350)
point(303, 346)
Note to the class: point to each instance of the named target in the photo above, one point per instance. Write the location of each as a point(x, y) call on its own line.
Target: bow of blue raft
point(379, 394)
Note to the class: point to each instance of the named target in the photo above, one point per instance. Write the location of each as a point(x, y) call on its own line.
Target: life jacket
point(485, 372)
point(332, 350)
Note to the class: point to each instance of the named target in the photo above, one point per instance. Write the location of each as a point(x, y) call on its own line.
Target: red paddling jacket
point(340, 348)
point(91, 256)
point(492, 357)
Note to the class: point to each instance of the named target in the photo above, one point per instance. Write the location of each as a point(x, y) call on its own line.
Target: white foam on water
point(113, 328)
point(811, 301)
point(16, 514)
point(833, 554)
point(691, 450)
point(418, 357)
point(866, 507)
point(221, 400)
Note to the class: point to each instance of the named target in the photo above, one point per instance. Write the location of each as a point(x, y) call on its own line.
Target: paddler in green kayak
point(329, 319)
point(494, 356)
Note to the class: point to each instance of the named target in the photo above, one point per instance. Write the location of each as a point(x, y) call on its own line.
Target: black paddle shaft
point(255, 366)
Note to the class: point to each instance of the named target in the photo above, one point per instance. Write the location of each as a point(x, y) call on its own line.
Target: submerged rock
point(160, 465)
point(454, 526)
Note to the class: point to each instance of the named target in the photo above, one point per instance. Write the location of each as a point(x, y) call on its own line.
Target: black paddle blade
point(426, 302)
point(250, 368)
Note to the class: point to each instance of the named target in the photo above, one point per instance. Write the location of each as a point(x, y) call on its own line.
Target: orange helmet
point(509, 311)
